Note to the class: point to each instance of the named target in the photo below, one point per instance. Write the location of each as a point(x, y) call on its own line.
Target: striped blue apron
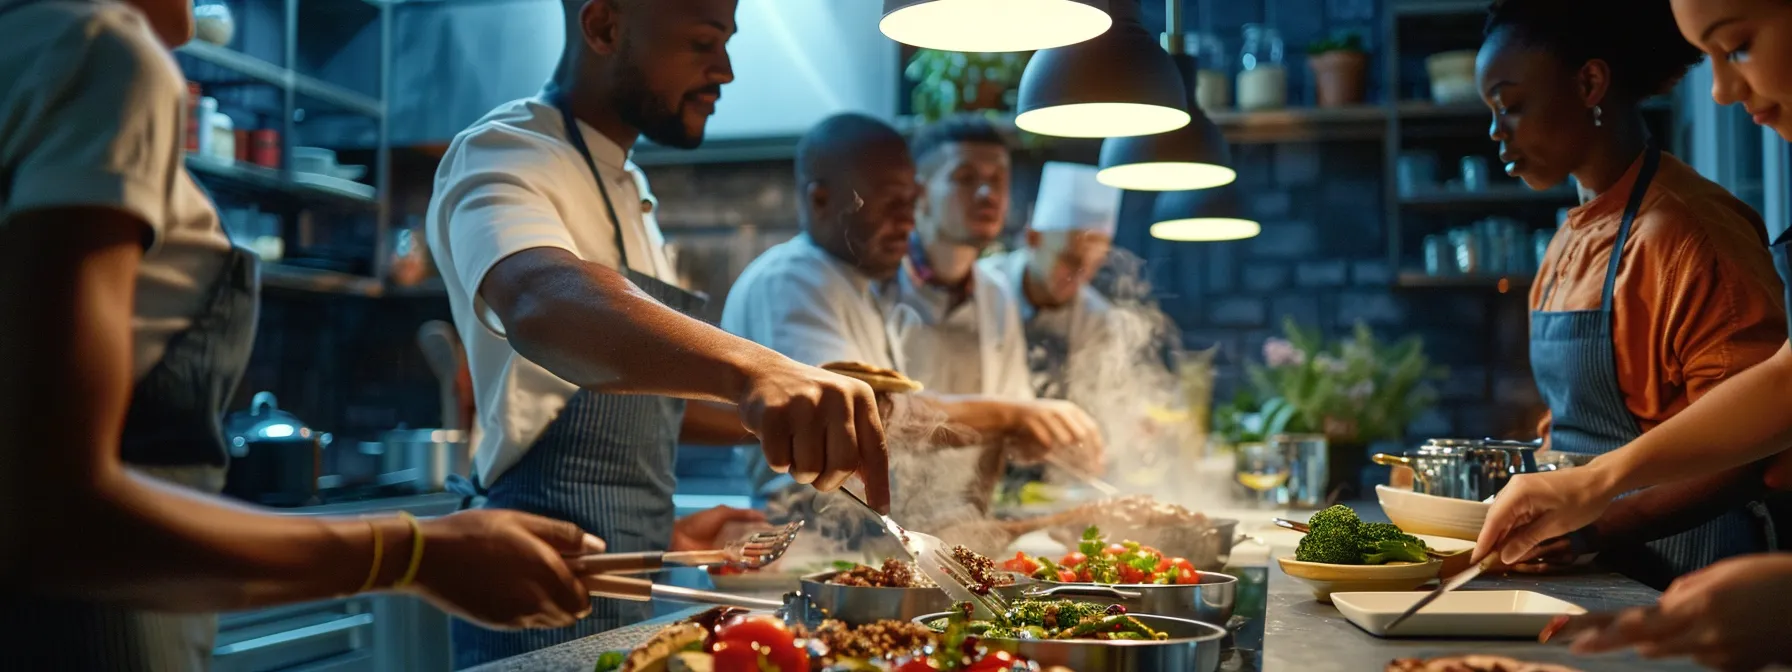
point(606, 463)
point(173, 432)
point(1575, 365)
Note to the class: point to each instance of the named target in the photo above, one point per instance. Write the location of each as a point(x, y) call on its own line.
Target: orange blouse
point(1697, 299)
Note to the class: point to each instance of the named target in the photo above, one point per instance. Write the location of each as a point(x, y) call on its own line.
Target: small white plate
point(1466, 613)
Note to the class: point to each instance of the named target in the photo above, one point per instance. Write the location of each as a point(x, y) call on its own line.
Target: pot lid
point(265, 422)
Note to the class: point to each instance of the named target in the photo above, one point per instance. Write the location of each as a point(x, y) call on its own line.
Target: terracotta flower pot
point(1339, 77)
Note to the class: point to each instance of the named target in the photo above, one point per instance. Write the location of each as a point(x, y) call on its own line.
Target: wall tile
point(1371, 308)
point(1297, 165)
point(1328, 273)
point(1237, 312)
point(1371, 273)
point(1304, 310)
point(1265, 276)
point(1286, 240)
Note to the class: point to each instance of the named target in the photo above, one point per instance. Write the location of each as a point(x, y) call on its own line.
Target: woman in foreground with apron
point(1731, 615)
point(130, 321)
point(1654, 290)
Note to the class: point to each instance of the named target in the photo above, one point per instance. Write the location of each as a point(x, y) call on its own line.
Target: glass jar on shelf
point(1213, 86)
point(1262, 79)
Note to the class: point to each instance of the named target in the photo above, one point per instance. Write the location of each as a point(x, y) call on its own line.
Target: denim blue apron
point(606, 463)
point(1575, 364)
point(173, 432)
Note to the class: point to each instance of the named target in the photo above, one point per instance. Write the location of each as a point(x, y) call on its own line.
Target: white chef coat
point(511, 182)
point(811, 307)
point(1081, 322)
point(976, 347)
point(93, 115)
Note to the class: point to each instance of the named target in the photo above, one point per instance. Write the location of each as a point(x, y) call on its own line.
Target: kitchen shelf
point(1493, 196)
point(298, 278)
point(1294, 124)
point(264, 179)
point(256, 68)
point(1422, 280)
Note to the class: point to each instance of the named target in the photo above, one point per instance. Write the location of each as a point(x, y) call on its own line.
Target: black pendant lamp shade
point(1119, 84)
point(1195, 156)
point(994, 25)
point(1206, 215)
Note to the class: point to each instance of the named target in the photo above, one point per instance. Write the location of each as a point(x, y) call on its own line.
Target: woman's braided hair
point(1636, 38)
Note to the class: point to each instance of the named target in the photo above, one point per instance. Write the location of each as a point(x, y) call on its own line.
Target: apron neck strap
point(557, 97)
point(1645, 175)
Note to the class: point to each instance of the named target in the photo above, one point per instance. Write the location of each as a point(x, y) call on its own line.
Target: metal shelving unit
point(1492, 196)
point(276, 187)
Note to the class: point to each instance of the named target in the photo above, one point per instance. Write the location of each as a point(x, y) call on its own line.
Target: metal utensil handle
point(647, 561)
point(633, 589)
point(1083, 591)
point(693, 596)
point(1292, 525)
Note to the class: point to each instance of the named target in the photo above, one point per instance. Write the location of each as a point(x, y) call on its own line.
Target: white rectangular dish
point(1466, 614)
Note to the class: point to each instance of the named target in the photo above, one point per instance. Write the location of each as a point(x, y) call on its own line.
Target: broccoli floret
point(1370, 533)
point(1390, 550)
point(1338, 517)
point(1331, 545)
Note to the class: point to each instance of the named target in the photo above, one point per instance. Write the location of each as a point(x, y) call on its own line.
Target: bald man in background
point(833, 293)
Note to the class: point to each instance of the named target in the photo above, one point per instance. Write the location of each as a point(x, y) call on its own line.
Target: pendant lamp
point(1208, 215)
point(1119, 84)
point(1195, 156)
point(994, 25)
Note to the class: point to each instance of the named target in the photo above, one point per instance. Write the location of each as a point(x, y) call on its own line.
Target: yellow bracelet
point(379, 552)
point(410, 573)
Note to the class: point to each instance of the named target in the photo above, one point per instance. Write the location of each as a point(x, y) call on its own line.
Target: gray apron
point(1575, 364)
point(173, 432)
point(605, 463)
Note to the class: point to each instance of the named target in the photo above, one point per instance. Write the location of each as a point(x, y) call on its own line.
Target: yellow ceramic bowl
point(1326, 579)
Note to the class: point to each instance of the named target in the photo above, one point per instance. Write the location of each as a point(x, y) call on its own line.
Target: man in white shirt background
point(833, 293)
point(583, 357)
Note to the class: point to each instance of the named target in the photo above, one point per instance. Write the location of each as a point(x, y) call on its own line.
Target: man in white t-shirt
point(130, 319)
point(587, 368)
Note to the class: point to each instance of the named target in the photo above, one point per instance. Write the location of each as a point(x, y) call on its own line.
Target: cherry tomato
point(1187, 577)
point(1113, 549)
point(766, 635)
point(1182, 563)
point(736, 657)
point(1130, 574)
point(1066, 576)
point(1162, 564)
point(1073, 560)
point(995, 661)
point(1150, 550)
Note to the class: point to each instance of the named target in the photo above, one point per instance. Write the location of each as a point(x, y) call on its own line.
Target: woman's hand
point(1535, 508)
point(1729, 616)
point(504, 569)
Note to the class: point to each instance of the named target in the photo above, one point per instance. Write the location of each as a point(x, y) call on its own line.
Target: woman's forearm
point(147, 544)
point(1671, 508)
point(1739, 422)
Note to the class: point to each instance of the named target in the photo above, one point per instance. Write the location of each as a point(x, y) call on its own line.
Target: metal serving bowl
point(1209, 602)
point(858, 605)
point(1192, 646)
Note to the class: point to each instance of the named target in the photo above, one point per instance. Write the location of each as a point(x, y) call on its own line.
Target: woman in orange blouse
point(1659, 285)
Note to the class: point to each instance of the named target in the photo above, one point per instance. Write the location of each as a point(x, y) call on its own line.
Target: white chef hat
point(1071, 199)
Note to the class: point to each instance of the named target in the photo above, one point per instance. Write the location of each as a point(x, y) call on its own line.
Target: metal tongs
point(608, 574)
point(932, 557)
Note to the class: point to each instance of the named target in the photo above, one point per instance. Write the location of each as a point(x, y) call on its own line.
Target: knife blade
point(1447, 586)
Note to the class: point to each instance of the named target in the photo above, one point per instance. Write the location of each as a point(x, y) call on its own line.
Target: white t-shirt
point(802, 302)
point(92, 115)
point(977, 347)
point(512, 182)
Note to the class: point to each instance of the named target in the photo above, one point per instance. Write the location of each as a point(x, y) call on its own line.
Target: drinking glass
point(1263, 469)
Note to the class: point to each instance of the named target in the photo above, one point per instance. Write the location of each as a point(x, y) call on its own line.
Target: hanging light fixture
point(1116, 85)
point(1195, 156)
point(993, 25)
point(1209, 215)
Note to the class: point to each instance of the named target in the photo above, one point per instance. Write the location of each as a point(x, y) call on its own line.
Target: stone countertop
point(1303, 634)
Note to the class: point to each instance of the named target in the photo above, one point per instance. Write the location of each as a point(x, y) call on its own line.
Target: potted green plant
point(1355, 391)
point(1340, 65)
point(949, 82)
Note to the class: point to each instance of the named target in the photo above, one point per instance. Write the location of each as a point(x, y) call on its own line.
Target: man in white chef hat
point(1067, 243)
